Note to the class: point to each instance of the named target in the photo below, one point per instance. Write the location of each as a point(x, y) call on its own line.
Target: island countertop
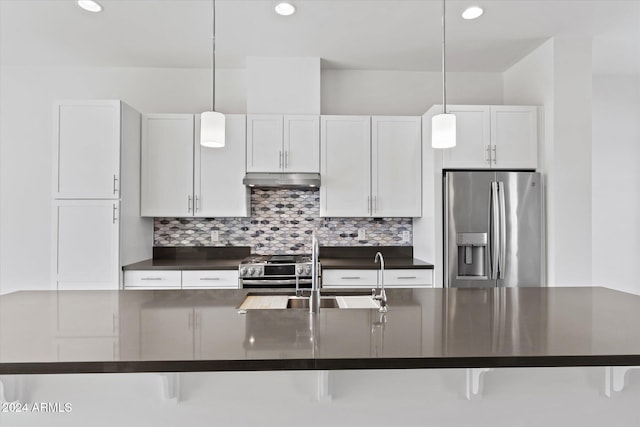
point(202, 330)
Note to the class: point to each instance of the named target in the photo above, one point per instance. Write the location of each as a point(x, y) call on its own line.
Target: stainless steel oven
point(275, 271)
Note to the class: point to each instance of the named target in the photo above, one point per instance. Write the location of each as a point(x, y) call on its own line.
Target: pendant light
point(212, 123)
point(443, 126)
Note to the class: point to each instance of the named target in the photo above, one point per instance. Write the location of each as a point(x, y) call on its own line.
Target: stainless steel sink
point(303, 302)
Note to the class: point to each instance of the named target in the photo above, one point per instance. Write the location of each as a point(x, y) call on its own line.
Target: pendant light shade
point(443, 126)
point(212, 123)
point(212, 126)
point(443, 131)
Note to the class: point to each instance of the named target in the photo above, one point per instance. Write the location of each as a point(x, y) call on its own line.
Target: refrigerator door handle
point(493, 229)
point(502, 260)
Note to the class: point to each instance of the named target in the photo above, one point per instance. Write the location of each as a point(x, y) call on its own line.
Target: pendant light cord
point(444, 67)
point(213, 56)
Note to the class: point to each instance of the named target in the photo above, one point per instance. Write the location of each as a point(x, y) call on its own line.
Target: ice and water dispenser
point(472, 252)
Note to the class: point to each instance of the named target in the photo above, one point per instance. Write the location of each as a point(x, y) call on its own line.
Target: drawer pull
point(351, 278)
point(407, 277)
point(209, 278)
point(151, 278)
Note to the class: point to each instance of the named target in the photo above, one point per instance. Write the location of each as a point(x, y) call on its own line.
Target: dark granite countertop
point(228, 258)
point(201, 330)
point(185, 264)
point(369, 264)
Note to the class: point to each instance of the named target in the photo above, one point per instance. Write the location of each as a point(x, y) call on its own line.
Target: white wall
point(558, 76)
point(403, 92)
point(278, 85)
point(27, 94)
point(616, 182)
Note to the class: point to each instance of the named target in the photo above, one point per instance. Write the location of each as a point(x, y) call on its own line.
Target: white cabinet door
point(349, 278)
point(301, 144)
point(473, 134)
point(86, 244)
point(396, 171)
point(219, 171)
point(167, 165)
point(408, 278)
point(86, 150)
point(514, 136)
point(152, 279)
point(212, 279)
point(345, 161)
point(264, 143)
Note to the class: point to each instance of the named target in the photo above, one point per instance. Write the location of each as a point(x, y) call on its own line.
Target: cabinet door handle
point(114, 216)
point(286, 159)
point(280, 159)
point(209, 278)
point(151, 278)
point(495, 157)
point(189, 203)
point(369, 204)
point(488, 156)
point(197, 203)
point(375, 204)
point(407, 277)
point(351, 278)
point(115, 184)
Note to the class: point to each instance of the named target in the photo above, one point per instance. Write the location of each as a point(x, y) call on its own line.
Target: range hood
point(282, 180)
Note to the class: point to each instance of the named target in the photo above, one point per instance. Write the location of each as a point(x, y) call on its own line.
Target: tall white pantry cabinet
point(96, 188)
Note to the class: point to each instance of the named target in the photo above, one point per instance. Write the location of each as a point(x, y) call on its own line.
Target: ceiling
point(346, 34)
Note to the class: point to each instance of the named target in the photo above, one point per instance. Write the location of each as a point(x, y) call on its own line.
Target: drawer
point(349, 278)
point(219, 279)
point(152, 279)
point(408, 278)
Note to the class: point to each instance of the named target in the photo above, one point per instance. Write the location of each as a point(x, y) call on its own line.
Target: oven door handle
point(273, 281)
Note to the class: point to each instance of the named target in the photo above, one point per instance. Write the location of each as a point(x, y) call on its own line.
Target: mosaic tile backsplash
point(282, 221)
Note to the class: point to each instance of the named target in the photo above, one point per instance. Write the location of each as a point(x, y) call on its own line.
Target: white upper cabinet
point(181, 178)
point(86, 149)
point(167, 165)
point(301, 144)
point(264, 143)
point(473, 137)
point(219, 191)
point(278, 143)
point(345, 150)
point(396, 166)
point(371, 166)
point(514, 137)
point(501, 137)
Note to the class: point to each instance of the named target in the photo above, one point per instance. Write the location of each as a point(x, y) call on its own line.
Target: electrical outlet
point(362, 234)
point(406, 236)
point(214, 236)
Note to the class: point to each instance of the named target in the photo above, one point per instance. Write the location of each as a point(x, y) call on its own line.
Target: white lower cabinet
point(349, 278)
point(78, 261)
point(408, 278)
point(181, 279)
point(152, 279)
point(216, 279)
point(368, 279)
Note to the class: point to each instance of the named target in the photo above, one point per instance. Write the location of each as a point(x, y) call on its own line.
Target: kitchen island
point(203, 330)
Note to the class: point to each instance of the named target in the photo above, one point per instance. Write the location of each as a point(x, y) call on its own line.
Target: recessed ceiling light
point(89, 5)
point(285, 9)
point(472, 12)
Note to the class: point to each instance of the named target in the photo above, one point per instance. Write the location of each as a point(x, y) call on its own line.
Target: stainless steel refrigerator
point(492, 229)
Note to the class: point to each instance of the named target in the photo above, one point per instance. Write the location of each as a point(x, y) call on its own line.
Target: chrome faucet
point(382, 297)
point(314, 299)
